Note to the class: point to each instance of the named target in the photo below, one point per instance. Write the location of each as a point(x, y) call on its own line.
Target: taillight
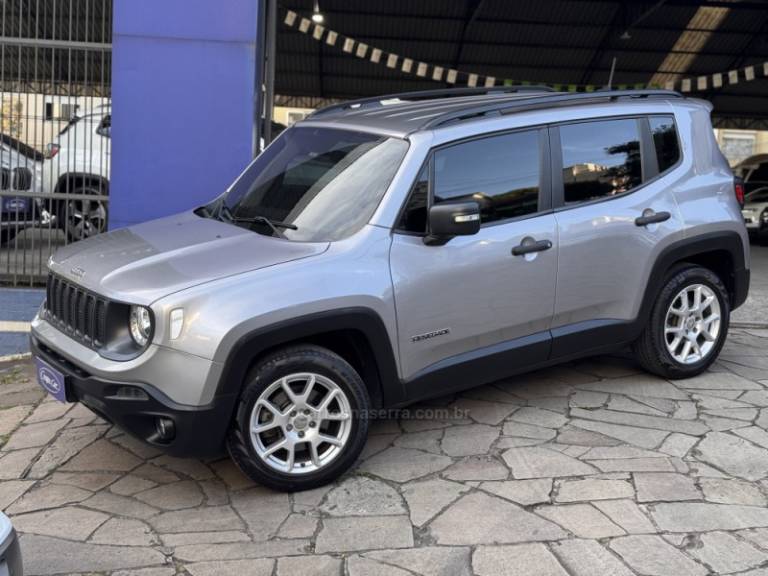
point(738, 190)
point(53, 149)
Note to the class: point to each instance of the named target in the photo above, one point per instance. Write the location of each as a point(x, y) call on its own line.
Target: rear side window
point(501, 173)
point(665, 141)
point(600, 159)
point(760, 173)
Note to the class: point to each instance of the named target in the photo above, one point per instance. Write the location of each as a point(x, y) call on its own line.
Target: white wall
point(23, 115)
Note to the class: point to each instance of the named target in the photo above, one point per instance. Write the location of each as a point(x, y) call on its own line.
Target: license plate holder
point(51, 380)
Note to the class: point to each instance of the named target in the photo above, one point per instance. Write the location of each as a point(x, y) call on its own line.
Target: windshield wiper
point(223, 213)
point(265, 220)
point(273, 224)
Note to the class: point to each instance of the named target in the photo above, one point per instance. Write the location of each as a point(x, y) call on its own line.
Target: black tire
point(7, 235)
point(651, 349)
point(82, 219)
point(289, 360)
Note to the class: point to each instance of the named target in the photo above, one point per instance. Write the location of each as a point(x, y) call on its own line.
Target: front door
point(477, 296)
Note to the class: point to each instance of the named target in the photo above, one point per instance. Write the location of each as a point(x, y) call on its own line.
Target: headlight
point(764, 216)
point(141, 325)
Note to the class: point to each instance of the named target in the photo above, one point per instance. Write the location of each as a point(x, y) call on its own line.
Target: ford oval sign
point(51, 380)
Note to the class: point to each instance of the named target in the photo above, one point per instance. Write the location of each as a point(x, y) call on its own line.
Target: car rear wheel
point(688, 324)
point(83, 218)
point(301, 420)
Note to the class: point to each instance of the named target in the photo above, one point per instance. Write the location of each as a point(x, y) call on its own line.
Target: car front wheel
point(301, 420)
point(7, 235)
point(688, 324)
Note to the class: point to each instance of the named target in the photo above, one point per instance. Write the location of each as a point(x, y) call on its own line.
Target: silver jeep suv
point(389, 250)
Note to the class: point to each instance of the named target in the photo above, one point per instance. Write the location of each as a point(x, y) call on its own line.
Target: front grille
point(76, 311)
point(22, 179)
point(5, 179)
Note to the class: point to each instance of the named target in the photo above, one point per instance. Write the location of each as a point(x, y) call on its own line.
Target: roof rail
point(378, 101)
point(523, 103)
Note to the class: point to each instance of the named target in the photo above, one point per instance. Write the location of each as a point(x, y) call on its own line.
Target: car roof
point(403, 114)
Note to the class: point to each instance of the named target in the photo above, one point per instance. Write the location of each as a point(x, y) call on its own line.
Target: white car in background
point(78, 164)
point(753, 171)
point(755, 213)
point(20, 171)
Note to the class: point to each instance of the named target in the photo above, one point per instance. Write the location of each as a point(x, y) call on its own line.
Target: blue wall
point(183, 101)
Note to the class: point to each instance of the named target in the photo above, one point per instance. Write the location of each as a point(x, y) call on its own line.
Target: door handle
point(528, 247)
point(652, 218)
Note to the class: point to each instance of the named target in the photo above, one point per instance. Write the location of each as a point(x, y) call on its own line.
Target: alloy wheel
point(692, 324)
point(300, 423)
point(85, 218)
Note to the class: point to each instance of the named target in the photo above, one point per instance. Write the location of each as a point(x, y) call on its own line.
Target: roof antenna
point(610, 76)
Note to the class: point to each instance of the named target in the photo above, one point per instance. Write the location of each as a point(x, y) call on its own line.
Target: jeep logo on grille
point(77, 272)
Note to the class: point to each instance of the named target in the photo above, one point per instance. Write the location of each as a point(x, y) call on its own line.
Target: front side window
point(316, 184)
point(414, 217)
point(665, 141)
point(501, 173)
point(600, 159)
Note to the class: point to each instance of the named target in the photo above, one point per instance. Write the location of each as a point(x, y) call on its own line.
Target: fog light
point(166, 429)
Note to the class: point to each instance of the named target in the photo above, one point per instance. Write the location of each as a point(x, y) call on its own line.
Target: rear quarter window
point(665, 141)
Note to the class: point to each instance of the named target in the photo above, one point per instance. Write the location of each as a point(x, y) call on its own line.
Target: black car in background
point(20, 171)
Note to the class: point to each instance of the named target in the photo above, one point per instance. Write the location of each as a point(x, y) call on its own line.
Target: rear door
point(472, 299)
point(615, 211)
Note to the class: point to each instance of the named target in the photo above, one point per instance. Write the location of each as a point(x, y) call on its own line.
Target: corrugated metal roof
point(552, 41)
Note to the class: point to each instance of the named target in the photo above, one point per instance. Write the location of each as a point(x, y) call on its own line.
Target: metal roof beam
point(544, 45)
point(481, 67)
point(473, 8)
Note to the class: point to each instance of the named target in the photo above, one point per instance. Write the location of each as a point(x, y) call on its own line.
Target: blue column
point(183, 102)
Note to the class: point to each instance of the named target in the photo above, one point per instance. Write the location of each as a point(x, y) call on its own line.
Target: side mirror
point(447, 220)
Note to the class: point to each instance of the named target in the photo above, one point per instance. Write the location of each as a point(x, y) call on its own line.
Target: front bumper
point(135, 407)
point(10, 556)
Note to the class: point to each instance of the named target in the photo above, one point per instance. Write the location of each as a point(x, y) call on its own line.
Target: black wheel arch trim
point(64, 180)
point(606, 334)
point(682, 250)
point(389, 389)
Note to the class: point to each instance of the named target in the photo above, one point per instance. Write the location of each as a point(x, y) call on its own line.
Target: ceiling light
point(317, 16)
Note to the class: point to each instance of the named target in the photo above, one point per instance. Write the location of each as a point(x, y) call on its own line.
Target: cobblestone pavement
point(588, 469)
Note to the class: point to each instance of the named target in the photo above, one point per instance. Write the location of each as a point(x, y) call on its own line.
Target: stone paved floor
point(589, 469)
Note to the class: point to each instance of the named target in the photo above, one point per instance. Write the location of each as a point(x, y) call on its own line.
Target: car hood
point(147, 261)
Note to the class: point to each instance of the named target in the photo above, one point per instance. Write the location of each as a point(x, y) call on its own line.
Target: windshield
point(758, 195)
point(315, 184)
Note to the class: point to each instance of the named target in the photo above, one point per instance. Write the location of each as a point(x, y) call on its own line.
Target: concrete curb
point(753, 325)
point(15, 357)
